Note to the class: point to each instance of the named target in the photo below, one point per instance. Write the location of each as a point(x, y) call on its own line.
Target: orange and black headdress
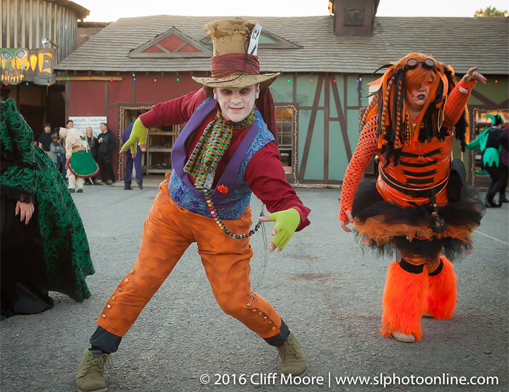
point(395, 127)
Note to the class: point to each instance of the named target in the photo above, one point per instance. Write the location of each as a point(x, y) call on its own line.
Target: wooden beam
point(106, 98)
point(326, 129)
point(312, 107)
point(14, 14)
point(305, 153)
point(294, 82)
point(2, 27)
point(92, 78)
point(8, 30)
point(67, 99)
point(342, 121)
point(486, 101)
point(133, 90)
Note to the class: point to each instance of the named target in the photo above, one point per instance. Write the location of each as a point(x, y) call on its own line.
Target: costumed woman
point(226, 151)
point(44, 244)
point(80, 162)
point(419, 203)
point(491, 141)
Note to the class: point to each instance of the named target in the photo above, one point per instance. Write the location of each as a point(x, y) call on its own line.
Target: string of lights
point(294, 139)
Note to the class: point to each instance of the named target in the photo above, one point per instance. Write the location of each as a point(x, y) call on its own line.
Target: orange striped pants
point(167, 233)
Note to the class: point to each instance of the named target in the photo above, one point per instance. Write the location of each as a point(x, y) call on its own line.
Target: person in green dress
point(492, 141)
point(44, 246)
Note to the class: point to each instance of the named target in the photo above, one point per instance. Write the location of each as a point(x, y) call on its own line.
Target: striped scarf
point(211, 146)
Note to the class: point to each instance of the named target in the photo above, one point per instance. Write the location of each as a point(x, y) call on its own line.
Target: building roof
point(81, 12)
point(461, 42)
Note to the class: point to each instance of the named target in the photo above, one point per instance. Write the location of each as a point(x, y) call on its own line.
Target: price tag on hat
point(253, 42)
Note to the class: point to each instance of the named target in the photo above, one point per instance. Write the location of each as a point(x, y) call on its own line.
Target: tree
point(490, 11)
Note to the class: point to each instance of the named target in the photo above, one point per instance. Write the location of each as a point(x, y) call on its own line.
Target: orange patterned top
point(368, 144)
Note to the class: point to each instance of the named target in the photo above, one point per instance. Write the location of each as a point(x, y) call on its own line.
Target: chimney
point(353, 17)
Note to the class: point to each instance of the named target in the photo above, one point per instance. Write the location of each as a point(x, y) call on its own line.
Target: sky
point(111, 10)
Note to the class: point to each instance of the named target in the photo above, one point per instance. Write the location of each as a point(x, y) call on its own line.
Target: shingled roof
point(461, 42)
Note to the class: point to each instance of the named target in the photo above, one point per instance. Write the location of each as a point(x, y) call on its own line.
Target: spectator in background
point(492, 141)
point(56, 131)
point(45, 138)
point(92, 144)
point(57, 154)
point(504, 165)
point(92, 141)
point(106, 144)
point(129, 160)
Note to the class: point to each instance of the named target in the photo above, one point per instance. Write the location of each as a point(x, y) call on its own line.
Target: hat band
point(226, 64)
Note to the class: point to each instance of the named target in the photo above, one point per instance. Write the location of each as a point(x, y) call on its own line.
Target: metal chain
point(220, 223)
point(259, 224)
point(265, 250)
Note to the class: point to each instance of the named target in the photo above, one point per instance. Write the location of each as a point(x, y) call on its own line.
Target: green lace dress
point(29, 175)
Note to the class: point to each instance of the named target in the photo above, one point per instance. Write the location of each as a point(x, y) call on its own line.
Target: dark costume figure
point(226, 151)
point(504, 160)
point(492, 141)
point(129, 161)
point(51, 252)
point(105, 146)
point(419, 204)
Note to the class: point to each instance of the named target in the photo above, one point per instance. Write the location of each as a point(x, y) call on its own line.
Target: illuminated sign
point(27, 65)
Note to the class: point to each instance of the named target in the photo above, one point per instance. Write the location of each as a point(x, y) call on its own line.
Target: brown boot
point(292, 357)
point(90, 377)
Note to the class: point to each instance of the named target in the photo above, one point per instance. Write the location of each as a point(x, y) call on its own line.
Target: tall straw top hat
point(231, 65)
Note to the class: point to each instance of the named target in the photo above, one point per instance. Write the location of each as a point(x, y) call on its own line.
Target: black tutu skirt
point(386, 227)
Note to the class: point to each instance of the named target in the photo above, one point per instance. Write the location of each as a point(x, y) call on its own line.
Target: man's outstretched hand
point(139, 134)
point(287, 222)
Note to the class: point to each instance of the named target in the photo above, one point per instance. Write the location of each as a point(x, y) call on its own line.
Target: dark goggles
point(413, 63)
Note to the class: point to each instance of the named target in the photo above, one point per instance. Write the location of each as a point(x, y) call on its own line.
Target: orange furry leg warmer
point(403, 301)
point(441, 300)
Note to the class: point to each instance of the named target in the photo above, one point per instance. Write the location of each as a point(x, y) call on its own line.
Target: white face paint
point(236, 103)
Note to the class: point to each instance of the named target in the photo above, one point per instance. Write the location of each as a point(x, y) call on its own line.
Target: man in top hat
point(226, 151)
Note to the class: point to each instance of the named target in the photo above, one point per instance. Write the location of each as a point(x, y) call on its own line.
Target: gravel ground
point(325, 288)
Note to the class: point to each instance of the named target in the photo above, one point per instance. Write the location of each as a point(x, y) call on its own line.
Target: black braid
point(399, 100)
point(398, 78)
point(461, 130)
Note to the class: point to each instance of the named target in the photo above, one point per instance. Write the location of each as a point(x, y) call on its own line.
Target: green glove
point(138, 135)
point(286, 224)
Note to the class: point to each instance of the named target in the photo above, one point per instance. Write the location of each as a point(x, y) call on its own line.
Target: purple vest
point(229, 205)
